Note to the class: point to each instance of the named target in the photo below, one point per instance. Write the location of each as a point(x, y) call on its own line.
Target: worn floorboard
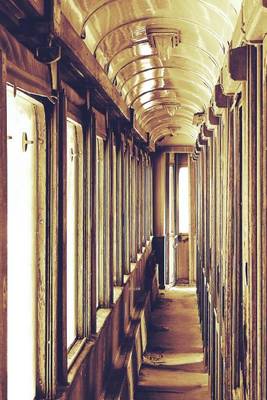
point(173, 366)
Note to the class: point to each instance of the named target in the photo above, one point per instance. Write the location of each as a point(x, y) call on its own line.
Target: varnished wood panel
point(3, 229)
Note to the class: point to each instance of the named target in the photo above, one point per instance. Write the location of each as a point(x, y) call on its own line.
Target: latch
point(74, 154)
point(25, 142)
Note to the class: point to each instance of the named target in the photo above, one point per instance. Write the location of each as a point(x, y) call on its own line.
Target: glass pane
point(22, 260)
point(171, 199)
point(100, 221)
point(114, 186)
point(74, 207)
point(183, 200)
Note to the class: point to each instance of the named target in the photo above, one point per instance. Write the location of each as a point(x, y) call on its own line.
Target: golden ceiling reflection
point(164, 56)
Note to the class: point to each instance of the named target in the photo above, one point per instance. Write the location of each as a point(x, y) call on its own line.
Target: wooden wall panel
point(3, 229)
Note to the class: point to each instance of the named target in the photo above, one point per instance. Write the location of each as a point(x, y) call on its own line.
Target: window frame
point(71, 107)
point(43, 298)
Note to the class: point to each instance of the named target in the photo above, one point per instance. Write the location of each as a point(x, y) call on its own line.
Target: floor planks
point(173, 366)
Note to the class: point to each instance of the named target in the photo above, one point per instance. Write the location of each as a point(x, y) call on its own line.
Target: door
point(183, 236)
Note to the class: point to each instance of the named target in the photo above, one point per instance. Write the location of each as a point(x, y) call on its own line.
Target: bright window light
point(183, 200)
point(22, 260)
point(73, 158)
point(100, 222)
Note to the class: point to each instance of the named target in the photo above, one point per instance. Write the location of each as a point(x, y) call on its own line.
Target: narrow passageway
point(173, 367)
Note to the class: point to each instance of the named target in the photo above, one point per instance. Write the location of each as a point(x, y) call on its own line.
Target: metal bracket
point(48, 54)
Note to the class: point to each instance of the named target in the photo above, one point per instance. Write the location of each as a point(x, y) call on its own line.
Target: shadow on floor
point(173, 365)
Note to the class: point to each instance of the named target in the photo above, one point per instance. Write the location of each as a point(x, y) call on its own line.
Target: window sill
point(117, 291)
point(74, 351)
point(101, 316)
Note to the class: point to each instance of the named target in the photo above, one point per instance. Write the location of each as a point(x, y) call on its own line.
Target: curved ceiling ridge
point(164, 56)
point(125, 24)
point(150, 80)
point(164, 76)
point(165, 67)
point(101, 4)
point(113, 76)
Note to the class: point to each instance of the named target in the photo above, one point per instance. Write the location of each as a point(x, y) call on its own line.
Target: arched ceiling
point(164, 92)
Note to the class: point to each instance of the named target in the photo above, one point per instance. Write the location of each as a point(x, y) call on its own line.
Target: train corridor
point(133, 139)
point(173, 366)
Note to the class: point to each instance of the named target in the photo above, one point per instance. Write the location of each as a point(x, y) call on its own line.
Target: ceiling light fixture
point(172, 109)
point(163, 40)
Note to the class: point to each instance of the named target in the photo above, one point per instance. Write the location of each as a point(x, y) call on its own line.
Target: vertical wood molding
point(107, 219)
point(93, 222)
point(51, 340)
point(261, 311)
point(264, 230)
point(87, 218)
point(111, 217)
point(62, 237)
point(159, 187)
point(252, 154)
point(3, 228)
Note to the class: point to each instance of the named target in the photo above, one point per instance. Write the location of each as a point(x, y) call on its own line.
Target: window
point(133, 207)
point(116, 274)
point(183, 200)
point(26, 223)
point(74, 230)
point(100, 223)
point(119, 215)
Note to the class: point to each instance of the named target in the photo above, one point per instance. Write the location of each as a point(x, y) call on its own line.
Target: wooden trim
point(87, 222)
point(50, 369)
point(3, 228)
point(208, 133)
point(93, 222)
point(252, 153)
point(198, 147)
point(213, 119)
point(175, 149)
point(119, 155)
point(107, 229)
point(167, 219)
point(62, 237)
point(76, 49)
point(222, 100)
point(202, 140)
point(238, 59)
point(111, 205)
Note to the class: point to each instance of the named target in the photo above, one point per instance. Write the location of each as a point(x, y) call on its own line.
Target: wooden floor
point(173, 366)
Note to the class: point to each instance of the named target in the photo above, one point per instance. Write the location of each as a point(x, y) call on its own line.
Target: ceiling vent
point(163, 40)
